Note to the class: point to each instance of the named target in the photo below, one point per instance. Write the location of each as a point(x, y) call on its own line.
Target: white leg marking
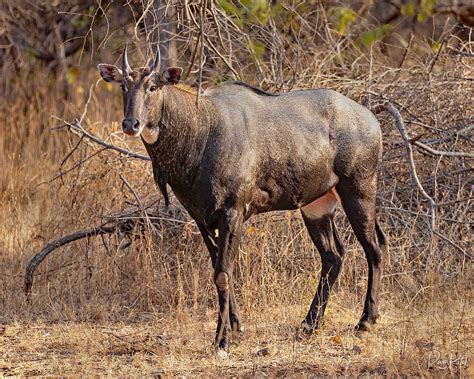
point(322, 206)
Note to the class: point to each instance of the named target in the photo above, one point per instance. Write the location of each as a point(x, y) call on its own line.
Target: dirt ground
point(429, 343)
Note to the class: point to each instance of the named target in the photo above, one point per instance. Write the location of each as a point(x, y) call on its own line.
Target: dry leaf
point(337, 339)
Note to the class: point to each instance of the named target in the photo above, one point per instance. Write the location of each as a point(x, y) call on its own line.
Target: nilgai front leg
point(211, 244)
point(230, 228)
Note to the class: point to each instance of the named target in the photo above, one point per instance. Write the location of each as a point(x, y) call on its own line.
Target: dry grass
point(418, 340)
point(149, 309)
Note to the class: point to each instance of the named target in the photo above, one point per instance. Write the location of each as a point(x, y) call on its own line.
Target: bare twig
point(452, 243)
point(76, 128)
point(442, 153)
point(201, 48)
point(140, 204)
point(411, 164)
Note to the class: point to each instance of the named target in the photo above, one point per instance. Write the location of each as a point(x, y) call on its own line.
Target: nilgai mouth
point(131, 133)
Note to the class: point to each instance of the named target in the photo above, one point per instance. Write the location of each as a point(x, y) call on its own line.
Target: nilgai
point(240, 151)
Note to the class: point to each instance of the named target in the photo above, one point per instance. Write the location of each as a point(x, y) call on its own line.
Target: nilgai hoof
point(236, 335)
point(363, 329)
point(304, 331)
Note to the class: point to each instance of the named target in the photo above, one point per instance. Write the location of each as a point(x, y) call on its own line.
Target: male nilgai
point(241, 151)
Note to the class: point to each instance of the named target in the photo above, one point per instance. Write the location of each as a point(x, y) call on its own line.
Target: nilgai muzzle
point(242, 151)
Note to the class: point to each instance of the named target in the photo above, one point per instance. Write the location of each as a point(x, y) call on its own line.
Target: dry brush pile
point(137, 256)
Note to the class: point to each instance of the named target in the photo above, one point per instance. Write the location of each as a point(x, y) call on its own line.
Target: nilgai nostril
point(130, 126)
point(242, 151)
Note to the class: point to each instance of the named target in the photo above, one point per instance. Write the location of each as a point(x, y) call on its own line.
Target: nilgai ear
point(110, 73)
point(172, 75)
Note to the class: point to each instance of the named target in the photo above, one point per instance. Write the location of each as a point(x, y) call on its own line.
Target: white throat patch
point(150, 135)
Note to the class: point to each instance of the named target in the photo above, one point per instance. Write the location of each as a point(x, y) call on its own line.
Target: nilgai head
point(141, 91)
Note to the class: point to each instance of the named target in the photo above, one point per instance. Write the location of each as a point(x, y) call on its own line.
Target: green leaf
point(343, 17)
point(423, 10)
point(80, 23)
point(31, 56)
point(231, 10)
point(257, 47)
point(426, 10)
point(408, 9)
point(436, 46)
point(250, 11)
point(427, 6)
point(368, 38)
point(72, 75)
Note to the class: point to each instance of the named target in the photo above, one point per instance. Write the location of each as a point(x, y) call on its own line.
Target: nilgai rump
point(240, 151)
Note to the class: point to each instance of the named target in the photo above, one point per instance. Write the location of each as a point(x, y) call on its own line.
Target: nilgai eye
point(123, 88)
point(152, 88)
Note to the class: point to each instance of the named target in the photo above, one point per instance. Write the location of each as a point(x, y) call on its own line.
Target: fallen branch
point(50, 247)
point(125, 223)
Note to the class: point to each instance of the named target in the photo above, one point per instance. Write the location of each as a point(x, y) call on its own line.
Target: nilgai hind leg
point(358, 200)
point(318, 217)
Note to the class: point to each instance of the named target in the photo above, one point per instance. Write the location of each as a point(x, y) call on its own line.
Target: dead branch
point(415, 140)
point(141, 217)
point(411, 164)
point(432, 151)
point(409, 152)
point(139, 203)
point(51, 246)
point(76, 128)
point(455, 245)
point(201, 49)
point(211, 45)
point(124, 223)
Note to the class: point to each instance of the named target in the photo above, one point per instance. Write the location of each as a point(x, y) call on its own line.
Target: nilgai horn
point(243, 151)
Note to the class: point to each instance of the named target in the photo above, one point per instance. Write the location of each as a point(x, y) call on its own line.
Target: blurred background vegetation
point(266, 42)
